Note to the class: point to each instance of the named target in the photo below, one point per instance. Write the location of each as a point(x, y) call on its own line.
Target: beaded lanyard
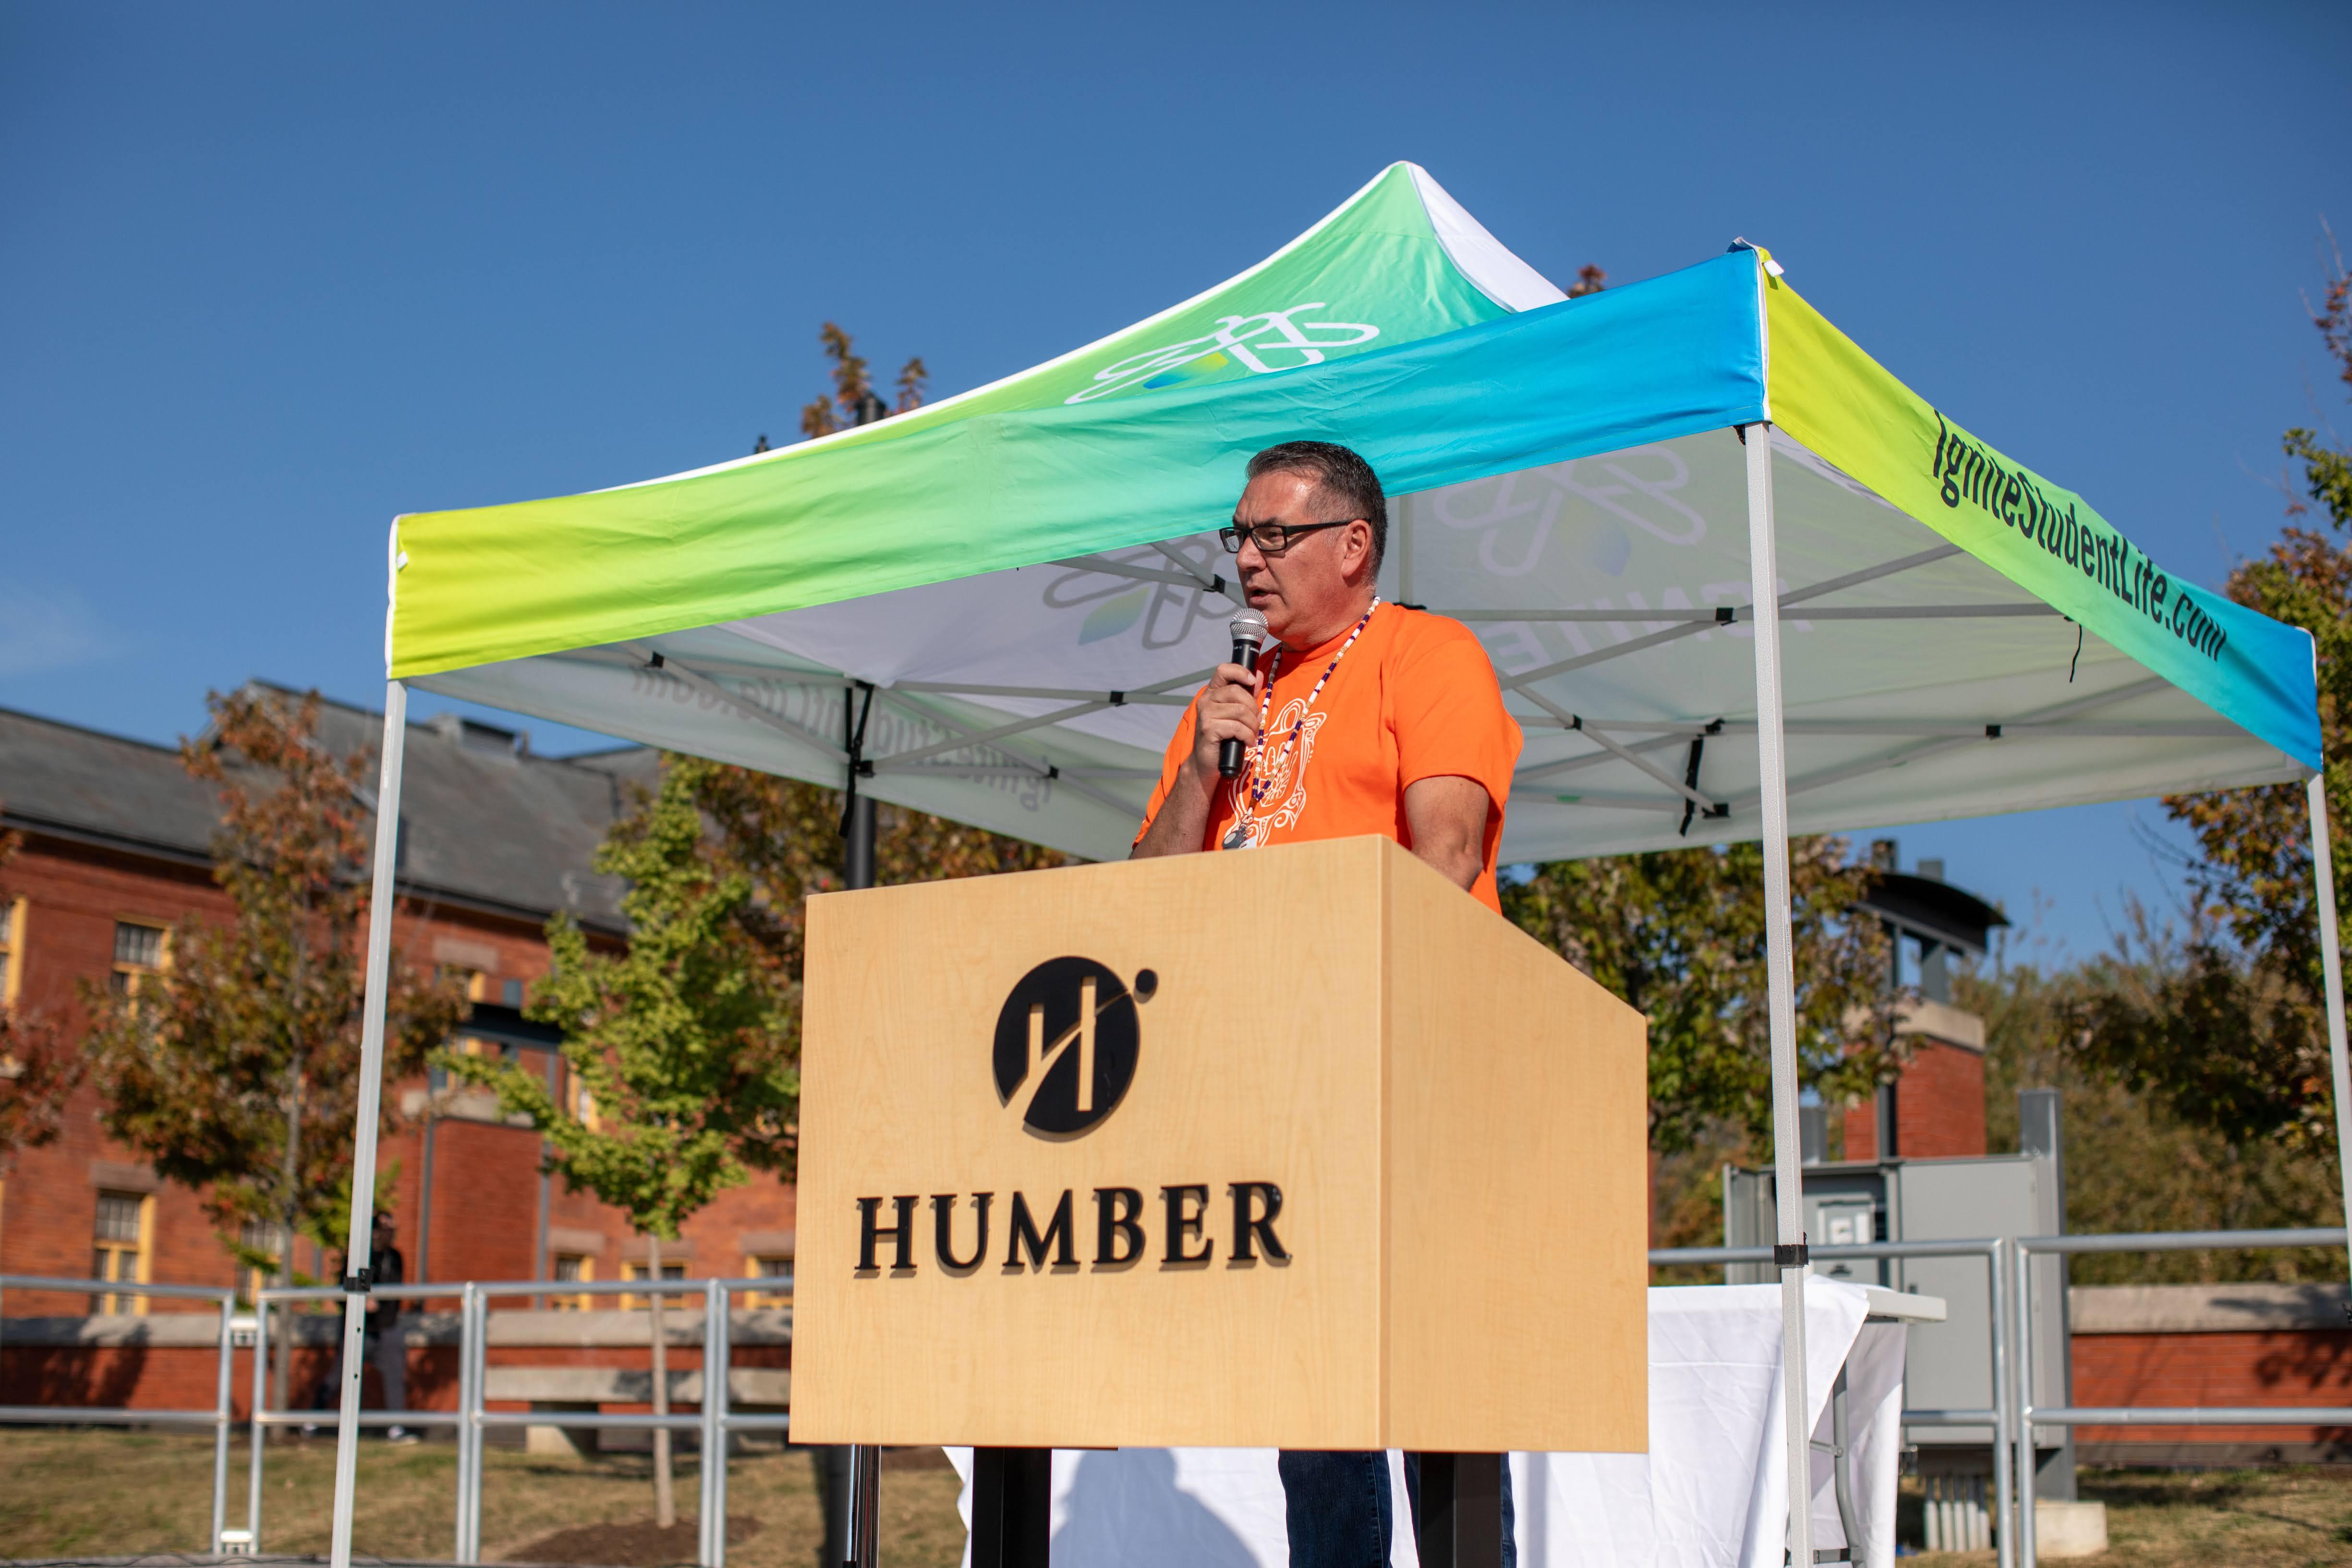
point(1238, 837)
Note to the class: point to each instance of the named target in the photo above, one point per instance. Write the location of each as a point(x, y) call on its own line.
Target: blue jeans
point(1339, 1514)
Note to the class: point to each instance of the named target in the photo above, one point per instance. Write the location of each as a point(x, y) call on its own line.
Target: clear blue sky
point(270, 275)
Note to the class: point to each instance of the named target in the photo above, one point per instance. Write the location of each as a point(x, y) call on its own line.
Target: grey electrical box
point(1947, 1365)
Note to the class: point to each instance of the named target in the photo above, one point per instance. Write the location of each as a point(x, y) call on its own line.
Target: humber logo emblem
point(1067, 1040)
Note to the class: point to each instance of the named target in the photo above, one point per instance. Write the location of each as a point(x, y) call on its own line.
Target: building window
point(475, 1045)
point(119, 1247)
point(777, 1270)
point(139, 951)
point(573, 1266)
point(256, 1240)
point(12, 951)
point(638, 1272)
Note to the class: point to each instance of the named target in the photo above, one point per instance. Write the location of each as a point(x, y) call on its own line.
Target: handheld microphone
point(1249, 635)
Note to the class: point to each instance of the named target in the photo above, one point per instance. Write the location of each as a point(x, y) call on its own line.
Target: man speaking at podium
point(1364, 717)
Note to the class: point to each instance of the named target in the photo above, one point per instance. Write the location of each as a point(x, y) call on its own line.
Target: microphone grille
point(1249, 626)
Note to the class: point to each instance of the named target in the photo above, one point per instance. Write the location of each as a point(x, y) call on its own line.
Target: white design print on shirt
point(1285, 779)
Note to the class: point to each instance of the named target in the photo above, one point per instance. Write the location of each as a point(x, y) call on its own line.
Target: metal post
point(371, 1095)
point(469, 1401)
point(479, 1429)
point(857, 869)
point(259, 1439)
point(856, 1506)
point(2040, 1132)
point(831, 1465)
point(864, 1506)
point(1789, 1182)
point(714, 1423)
point(1401, 530)
point(2027, 1482)
point(1460, 1522)
point(2004, 1404)
point(2331, 965)
point(1841, 1447)
point(1011, 1508)
point(225, 1405)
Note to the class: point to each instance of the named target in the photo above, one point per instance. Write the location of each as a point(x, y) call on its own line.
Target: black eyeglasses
point(1273, 538)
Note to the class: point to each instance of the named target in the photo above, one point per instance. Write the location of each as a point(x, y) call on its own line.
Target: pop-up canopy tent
point(1737, 581)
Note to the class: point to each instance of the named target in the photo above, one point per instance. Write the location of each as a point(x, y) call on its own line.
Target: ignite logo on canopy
point(1067, 1040)
point(1261, 344)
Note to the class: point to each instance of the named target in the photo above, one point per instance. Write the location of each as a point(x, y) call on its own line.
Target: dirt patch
point(639, 1543)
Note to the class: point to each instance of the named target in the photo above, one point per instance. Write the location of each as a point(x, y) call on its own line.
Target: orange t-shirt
point(1416, 698)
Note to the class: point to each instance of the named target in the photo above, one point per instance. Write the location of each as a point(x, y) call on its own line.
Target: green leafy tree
point(1679, 934)
point(680, 1047)
point(2232, 1031)
point(2136, 1159)
point(784, 836)
point(236, 1070)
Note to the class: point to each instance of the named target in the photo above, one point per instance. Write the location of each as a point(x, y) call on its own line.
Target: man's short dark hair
point(1344, 481)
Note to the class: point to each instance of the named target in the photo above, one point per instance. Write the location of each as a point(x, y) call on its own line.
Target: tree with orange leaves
point(853, 393)
point(236, 1070)
point(2232, 1031)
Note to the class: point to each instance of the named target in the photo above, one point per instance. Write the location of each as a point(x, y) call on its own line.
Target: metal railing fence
point(2025, 1248)
point(2012, 1415)
point(218, 1417)
point(261, 1416)
point(472, 1420)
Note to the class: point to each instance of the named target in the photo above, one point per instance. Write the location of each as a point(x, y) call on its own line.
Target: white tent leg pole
point(378, 979)
point(1787, 1171)
point(2331, 963)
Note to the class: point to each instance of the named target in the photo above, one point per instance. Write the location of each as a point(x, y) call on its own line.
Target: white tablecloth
point(1708, 1495)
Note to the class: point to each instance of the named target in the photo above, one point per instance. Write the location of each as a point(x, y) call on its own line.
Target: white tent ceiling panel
point(1610, 592)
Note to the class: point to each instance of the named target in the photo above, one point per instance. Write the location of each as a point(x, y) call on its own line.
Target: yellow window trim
point(143, 1260)
point(12, 980)
point(587, 1276)
point(751, 1271)
point(631, 1269)
point(132, 973)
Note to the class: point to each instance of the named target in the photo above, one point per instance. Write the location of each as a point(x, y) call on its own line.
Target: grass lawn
point(2177, 1518)
point(109, 1493)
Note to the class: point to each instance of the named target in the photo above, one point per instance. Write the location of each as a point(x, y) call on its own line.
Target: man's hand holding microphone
point(1227, 719)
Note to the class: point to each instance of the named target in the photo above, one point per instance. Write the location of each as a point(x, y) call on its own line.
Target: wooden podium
point(1301, 1147)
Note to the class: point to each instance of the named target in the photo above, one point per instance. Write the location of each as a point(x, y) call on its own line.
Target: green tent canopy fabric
point(1028, 577)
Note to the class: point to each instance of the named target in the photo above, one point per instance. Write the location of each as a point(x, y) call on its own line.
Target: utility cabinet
point(1947, 1365)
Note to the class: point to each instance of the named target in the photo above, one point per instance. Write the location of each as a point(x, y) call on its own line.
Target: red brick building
point(1939, 1103)
point(494, 840)
point(1936, 1110)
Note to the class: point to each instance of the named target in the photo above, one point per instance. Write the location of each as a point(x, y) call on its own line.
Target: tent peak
point(1403, 197)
